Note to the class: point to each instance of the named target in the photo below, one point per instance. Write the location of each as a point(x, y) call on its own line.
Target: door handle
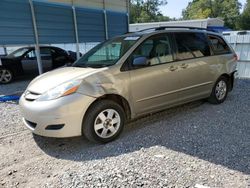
point(184, 65)
point(173, 68)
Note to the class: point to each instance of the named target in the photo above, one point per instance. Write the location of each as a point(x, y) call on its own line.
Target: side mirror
point(140, 61)
point(26, 56)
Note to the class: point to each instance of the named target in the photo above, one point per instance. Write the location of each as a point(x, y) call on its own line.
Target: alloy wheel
point(107, 123)
point(5, 76)
point(221, 90)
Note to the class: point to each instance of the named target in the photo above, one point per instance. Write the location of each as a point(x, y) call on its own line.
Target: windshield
point(106, 53)
point(18, 53)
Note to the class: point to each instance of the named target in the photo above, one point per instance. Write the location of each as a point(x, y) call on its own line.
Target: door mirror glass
point(140, 61)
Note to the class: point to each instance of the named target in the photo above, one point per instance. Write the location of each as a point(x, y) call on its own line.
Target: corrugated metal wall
point(55, 21)
point(117, 23)
point(241, 45)
point(15, 22)
point(114, 5)
point(90, 24)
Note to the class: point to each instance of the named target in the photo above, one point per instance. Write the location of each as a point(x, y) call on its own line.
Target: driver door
point(29, 62)
point(156, 85)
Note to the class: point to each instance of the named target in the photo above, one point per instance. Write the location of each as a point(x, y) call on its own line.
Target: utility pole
point(76, 30)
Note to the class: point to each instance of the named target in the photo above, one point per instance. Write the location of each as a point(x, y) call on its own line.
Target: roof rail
point(171, 27)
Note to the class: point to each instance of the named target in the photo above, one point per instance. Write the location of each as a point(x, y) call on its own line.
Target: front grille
point(31, 96)
point(31, 124)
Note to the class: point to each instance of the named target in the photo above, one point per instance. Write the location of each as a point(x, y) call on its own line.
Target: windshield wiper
point(82, 66)
point(92, 66)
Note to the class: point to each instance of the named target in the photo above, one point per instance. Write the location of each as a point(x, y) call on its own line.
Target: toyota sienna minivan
point(126, 77)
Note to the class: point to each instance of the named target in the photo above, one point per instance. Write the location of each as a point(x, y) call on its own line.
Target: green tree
point(146, 11)
point(228, 10)
point(244, 21)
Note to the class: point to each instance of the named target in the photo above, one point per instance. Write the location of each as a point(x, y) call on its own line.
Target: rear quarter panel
point(222, 64)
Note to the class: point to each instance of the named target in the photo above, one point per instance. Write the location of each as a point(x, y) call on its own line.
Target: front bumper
point(66, 111)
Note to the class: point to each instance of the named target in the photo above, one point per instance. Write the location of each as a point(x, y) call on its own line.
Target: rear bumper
point(56, 118)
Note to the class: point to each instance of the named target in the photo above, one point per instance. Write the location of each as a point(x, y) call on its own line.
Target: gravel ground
point(193, 145)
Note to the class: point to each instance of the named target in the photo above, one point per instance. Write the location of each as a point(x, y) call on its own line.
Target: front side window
point(106, 53)
point(219, 45)
point(31, 55)
point(156, 49)
point(191, 45)
point(44, 53)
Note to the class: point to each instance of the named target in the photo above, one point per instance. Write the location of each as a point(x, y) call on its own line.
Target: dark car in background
point(23, 62)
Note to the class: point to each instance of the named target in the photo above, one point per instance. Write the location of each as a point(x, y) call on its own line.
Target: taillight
point(236, 58)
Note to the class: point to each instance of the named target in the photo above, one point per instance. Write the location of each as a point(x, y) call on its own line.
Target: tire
point(6, 76)
point(220, 91)
point(98, 127)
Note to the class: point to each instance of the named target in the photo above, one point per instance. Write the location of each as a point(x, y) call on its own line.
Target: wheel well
point(119, 100)
point(10, 69)
point(225, 75)
point(230, 78)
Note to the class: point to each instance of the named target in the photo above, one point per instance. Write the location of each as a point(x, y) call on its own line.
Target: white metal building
point(202, 23)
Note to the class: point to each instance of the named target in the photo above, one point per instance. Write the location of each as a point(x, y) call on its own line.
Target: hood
point(59, 76)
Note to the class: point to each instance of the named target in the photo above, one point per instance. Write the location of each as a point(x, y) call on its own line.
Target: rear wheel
point(6, 76)
point(220, 91)
point(103, 122)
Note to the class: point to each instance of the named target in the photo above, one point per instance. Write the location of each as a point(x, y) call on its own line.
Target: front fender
point(104, 83)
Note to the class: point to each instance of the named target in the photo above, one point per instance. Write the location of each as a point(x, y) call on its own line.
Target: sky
point(174, 7)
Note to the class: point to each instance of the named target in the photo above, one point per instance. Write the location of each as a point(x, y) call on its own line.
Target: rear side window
point(45, 52)
point(191, 45)
point(219, 45)
point(156, 49)
point(59, 51)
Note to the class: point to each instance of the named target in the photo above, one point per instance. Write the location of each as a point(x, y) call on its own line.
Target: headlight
point(65, 89)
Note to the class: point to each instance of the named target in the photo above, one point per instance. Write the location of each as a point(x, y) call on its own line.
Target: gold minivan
point(127, 77)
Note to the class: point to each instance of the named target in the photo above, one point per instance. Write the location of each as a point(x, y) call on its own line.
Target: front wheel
point(6, 76)
point(103, 122)
point(220, 91)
